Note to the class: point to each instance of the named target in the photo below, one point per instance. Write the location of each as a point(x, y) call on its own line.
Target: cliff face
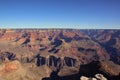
point(59, 49)
point(108, 39)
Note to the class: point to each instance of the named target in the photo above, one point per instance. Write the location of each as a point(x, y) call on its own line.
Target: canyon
point(59, 54)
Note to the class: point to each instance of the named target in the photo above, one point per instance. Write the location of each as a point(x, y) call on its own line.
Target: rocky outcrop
point(86, 78)
point(110, 68)
point(100, 77)
point(13, 70)
point(9, 66)
point(97, 77)
point(110, 71)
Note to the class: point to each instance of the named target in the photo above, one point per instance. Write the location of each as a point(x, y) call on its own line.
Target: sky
point(78, 14)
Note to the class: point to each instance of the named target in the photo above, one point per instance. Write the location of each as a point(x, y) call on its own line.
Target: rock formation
point(97, 77)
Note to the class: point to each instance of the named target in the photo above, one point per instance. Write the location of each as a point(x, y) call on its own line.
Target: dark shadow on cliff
point(88, 70)
point(93, 68)
point(54, 76)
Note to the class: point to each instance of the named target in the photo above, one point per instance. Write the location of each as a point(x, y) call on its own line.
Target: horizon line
point(64, 28)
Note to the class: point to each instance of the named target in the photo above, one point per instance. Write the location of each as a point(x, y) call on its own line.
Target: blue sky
point(80, 14)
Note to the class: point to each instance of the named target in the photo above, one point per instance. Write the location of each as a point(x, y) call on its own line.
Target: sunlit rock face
point(97, 77)
point(10, 66)
point(11, 70)
point(63, 51)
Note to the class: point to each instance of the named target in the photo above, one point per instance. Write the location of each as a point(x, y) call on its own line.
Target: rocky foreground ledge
point(14, 70)
point(97, 77)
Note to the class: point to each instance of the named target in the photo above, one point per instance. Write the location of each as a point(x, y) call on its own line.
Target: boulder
point(100, 77)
